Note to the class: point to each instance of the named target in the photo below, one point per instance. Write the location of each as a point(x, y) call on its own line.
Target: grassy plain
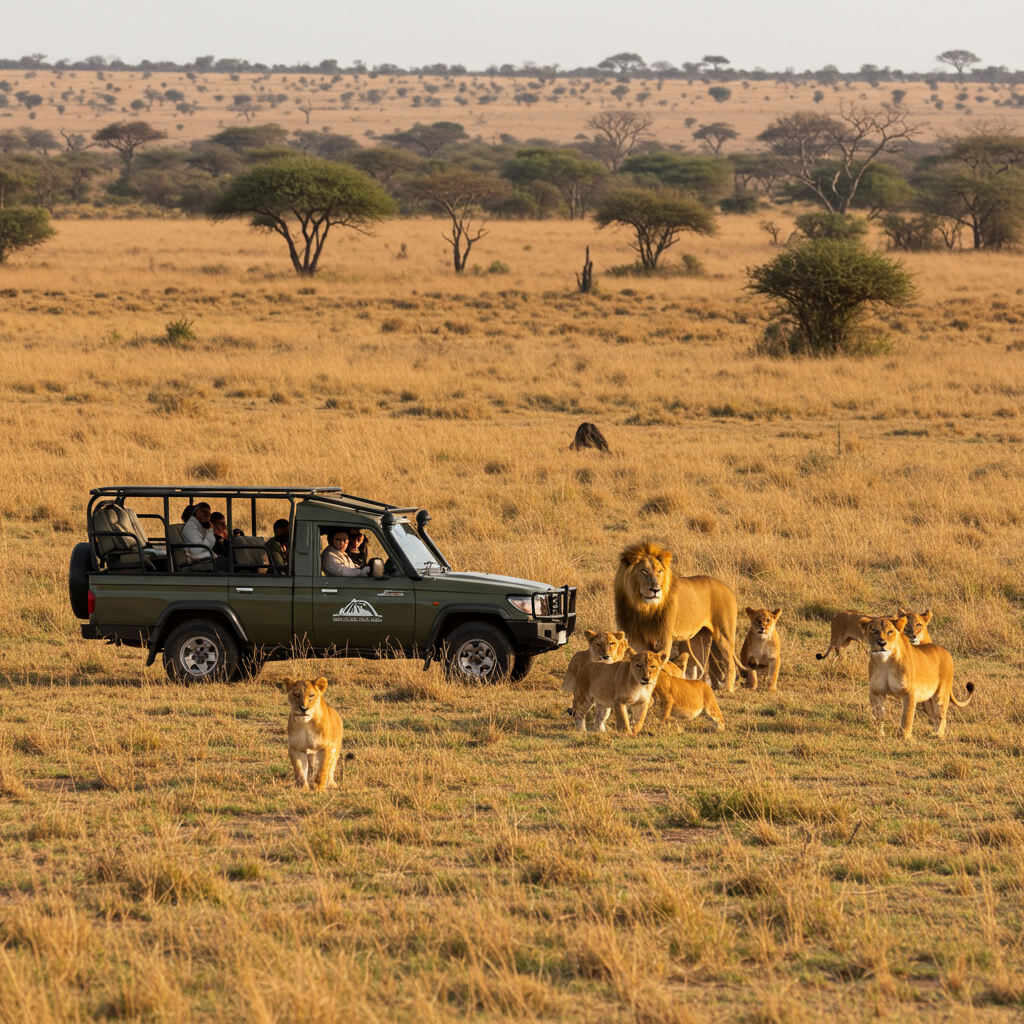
point(361, 106)
point(481, 861)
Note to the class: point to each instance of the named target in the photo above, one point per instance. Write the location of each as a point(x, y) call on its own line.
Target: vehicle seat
point(250, 554)
point(176, 549)
point(118, 534)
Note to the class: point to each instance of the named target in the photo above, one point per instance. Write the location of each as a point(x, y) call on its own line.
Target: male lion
point(916, 629)
point(629, 683)
point(656, 608)
point(761, 647)
point(314, 733)
point(918, 675)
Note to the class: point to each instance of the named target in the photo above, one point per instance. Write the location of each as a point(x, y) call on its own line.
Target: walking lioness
point(314, 733)
point(619, 687)
point(917, 675)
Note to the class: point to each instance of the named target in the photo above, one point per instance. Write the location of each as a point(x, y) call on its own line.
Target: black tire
point(78, 579)
point(200, 651)
point(521, 667)
point(250, 664)
point(477, 652)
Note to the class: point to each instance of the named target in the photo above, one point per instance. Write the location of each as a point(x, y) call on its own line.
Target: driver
point(335, 561)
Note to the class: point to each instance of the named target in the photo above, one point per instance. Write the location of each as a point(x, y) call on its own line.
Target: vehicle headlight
point(526, 603)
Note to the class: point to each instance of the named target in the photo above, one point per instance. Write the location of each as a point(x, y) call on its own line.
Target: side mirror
point(377, 568)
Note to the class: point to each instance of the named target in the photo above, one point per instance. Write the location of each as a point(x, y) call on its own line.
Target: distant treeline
point(634, 66)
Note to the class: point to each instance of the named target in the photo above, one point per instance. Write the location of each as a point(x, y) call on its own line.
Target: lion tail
point(964, 703)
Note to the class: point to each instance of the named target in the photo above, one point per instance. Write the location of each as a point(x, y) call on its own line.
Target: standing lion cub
point(761, 647)
point(314, 733)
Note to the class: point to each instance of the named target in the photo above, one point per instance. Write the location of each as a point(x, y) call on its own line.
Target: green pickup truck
point(139, 583)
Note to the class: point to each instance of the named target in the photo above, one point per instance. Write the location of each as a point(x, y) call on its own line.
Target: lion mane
point(656, 609)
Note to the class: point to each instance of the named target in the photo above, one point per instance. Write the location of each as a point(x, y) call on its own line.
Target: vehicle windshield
point(422, 559)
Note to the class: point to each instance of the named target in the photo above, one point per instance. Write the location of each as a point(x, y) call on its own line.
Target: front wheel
point(478, 652)
point(200, 650)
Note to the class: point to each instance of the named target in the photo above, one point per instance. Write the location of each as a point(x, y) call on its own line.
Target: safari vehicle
point(137, 584)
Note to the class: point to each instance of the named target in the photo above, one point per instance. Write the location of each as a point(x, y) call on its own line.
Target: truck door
point(359, 614)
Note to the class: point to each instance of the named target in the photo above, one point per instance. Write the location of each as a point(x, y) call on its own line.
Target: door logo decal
point(357, 610)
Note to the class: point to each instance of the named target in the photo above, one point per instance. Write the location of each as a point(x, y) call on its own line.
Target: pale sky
point(905, 34)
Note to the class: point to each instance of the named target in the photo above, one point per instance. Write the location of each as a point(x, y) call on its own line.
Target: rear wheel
point(78, 579)
point(478, 652)
point(199, 651)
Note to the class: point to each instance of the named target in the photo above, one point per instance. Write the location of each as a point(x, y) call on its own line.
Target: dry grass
point(481, 861)
point(361, 106)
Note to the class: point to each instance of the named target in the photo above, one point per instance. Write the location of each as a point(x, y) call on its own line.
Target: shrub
point(180, 333)
point(821, 224)
point(824, 287)
point(739, 202)
point(910, 234)
point(719, 93)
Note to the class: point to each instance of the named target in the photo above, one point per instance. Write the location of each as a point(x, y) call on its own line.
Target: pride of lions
point(676, 644)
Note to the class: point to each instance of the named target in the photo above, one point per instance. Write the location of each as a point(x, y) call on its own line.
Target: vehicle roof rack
point(331, 495)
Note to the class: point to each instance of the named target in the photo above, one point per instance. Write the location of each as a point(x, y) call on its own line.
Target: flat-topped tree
point(126, 137)
point(427, 139)
point(316, 194)
point(715, 135)
point(715, 61)
point(624, 64)
point(958, 59)
point(657, 216)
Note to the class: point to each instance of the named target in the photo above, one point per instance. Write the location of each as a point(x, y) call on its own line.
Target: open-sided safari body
point(136, 582)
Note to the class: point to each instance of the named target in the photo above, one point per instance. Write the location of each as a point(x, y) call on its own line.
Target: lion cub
point(314, 733)
point(628, 684)
point(604, 648)
point(916, 629)
point(761, 647)
point(676, 692)
point(918, 675)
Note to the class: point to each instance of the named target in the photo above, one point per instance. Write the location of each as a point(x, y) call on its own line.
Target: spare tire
point(78, 579)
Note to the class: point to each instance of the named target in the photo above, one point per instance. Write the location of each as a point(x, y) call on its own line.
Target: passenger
point(335, 561)
point(219, 525)
point(199, 535)
point(278, 547)
point(357, 542)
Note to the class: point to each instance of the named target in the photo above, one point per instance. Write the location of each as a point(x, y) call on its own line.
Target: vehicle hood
point(476, 579)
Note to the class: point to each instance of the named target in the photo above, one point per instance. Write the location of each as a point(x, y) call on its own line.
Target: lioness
point(761, 647)
point(607, 648)
point(686, 697)
point(916, 629)
point(630, 683)
point(314, 733)
point(656, 608)
point(846, 627)
point(918, 675)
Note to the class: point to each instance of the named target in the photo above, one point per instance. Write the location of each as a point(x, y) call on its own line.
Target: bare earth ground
point(348, 108)
point(481, 861)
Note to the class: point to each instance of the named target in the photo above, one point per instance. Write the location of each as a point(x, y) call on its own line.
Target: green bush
point(837, 226)
point(824, 288)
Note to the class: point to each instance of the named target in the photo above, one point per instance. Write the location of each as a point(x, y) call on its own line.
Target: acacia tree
point(461, 196)
point(853, 141)
point(620, 131)
point(126, 137)
point(824, 288)
point(624, 64)
point(427, 139)
point(657, 216)
point(315, 193)
point(715, 135)
point(958, 59)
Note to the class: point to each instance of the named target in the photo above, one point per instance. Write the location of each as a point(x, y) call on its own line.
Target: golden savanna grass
point(362, 106)
point(480, 861)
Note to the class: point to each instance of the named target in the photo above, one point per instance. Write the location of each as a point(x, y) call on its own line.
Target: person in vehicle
point(198, 534)
point(357, 542)
point(278, 546)
point(219, 525)
point(335, 560)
